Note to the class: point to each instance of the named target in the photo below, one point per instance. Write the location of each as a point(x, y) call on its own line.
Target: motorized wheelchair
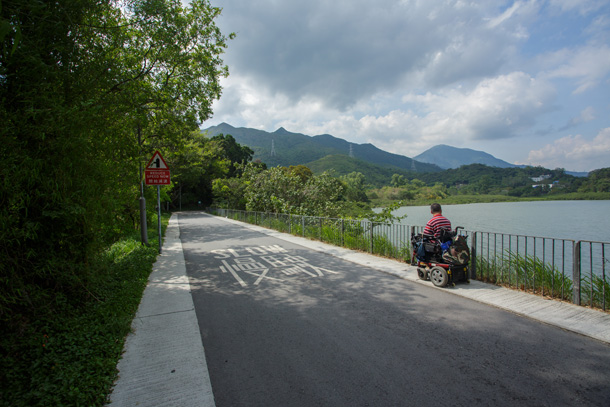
point(443, 261)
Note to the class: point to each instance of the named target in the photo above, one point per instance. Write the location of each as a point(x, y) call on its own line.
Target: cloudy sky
point(526, 81)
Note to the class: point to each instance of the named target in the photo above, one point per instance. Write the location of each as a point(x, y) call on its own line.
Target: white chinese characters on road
point(260, 261)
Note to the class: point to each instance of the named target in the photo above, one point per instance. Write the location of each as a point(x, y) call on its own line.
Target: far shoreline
point(468, 199)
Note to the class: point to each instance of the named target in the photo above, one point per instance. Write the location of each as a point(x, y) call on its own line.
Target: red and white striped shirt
point(434, 225)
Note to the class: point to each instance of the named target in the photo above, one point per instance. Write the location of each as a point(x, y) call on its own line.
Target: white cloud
point(496, 108)
point(582, 6)
point(408, 74)
point(342, 52)
point(587, 115)
point(514, 17)
point(575, 153)
point(589, 65)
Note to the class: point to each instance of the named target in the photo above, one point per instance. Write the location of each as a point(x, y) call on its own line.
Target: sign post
point(157, 173)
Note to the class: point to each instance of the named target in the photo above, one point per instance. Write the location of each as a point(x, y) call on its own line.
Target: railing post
point(576, 274)
point(473, 257)
point(342, 233)
point(371, 237)
point(320, 228)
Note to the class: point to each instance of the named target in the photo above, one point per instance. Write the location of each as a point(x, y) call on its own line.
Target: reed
point(529, 273)
point(595, 291)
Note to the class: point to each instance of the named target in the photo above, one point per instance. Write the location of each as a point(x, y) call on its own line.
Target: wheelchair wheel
point(421, 273)
point(439, 276)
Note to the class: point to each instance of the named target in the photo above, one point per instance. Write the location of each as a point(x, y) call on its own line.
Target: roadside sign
point(157, 177)
point(157, 162)
point(156, 171)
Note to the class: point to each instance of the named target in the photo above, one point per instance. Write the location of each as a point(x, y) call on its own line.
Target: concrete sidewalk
point(164, 362)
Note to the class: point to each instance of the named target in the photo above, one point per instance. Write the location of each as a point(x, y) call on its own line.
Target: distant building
point(541, 178)
point(554, 184)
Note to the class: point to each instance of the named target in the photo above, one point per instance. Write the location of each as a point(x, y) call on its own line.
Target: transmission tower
point(351, 150)
point(272, 148)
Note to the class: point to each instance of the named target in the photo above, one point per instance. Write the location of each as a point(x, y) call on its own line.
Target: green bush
point(67, 354)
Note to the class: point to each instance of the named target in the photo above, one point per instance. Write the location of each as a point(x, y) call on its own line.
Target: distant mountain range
point(324, 152)
point(285, 148)
point(448, 157)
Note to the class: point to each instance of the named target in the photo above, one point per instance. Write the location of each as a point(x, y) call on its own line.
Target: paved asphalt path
point(283, 325)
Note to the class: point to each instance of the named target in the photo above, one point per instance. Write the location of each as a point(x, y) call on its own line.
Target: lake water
point(575, 220)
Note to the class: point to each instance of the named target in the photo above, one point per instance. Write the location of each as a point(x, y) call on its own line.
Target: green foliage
point(479, 183)
point(289, 190)
point(597, 181)
point(375, 174)
point(525, 272)
point(355, 183)
point(88, 90)
point(233, 152)
point(386, 216)
point(68, 355)
point(398, 180)
point(595, 291)
point(481, 179)
point(229, 193)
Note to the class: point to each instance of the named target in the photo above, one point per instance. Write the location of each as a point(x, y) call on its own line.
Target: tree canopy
point(88, 90)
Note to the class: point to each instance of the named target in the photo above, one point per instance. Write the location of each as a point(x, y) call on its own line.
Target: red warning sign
point(157, 172)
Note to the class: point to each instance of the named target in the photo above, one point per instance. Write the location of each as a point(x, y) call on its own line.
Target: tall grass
point(68, 355)
point(528, 273)
point(595, 291)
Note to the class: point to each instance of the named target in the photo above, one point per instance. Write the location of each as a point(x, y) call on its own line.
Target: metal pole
point(143, 228)
point(143, 225)
point(473, 258)
point(576, 274)
point(159, 215)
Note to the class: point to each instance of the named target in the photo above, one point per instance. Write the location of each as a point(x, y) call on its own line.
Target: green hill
point(376, 175)
point(285, 148)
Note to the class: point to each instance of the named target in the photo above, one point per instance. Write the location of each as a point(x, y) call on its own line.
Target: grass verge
point(69, 356)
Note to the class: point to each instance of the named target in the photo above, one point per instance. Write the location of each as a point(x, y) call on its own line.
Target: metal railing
point(559, 268)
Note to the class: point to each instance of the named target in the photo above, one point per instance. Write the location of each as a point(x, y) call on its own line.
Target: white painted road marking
point(250, 260)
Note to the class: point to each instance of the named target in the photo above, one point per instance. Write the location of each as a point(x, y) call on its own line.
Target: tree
point(229, 193)
point(234, 152)
point(301, 171)
point(355, 187)
point(597, 181)
point(398, 180)
point(284, 190)
point(79, 79)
